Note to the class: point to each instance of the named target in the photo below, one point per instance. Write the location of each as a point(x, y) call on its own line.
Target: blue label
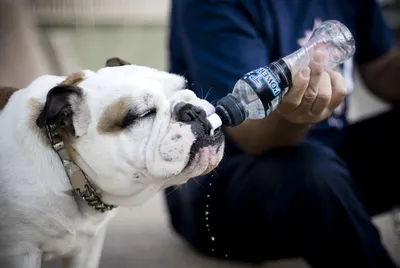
point(263, 78)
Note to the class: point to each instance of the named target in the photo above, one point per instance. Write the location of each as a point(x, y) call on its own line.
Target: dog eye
point(148, 113)
point(132, 116)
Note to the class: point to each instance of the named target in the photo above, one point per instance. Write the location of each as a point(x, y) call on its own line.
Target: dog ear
point(63, 102)
point(112, 62)
point(5, 95)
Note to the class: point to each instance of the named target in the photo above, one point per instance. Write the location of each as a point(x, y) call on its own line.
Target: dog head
point(133, 130)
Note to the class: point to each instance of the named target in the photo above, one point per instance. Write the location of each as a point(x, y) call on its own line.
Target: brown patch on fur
point(5, 94)
point(73, 79)
point(111, 120)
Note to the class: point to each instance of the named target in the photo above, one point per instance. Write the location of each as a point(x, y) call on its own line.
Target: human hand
point(314, 94)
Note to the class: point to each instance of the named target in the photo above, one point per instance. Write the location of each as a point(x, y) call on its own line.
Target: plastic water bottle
point(258, 93)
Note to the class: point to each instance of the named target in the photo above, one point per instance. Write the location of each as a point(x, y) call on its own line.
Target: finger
point(339, 89)
point(293, 98)
point(324, 95)
point(317, 68)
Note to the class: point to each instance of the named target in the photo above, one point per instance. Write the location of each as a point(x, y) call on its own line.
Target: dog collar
point(77, 177)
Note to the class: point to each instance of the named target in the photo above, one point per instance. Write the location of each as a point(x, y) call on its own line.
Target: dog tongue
point(215, 122)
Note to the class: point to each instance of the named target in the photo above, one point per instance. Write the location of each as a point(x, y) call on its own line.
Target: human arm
point(222, 43)
point(377, 58)
point(382, 76)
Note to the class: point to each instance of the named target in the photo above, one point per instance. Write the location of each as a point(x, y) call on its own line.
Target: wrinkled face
point(135, 130)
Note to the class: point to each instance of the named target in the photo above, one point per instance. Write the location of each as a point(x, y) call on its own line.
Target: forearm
point(257, 137)
point(382, 77)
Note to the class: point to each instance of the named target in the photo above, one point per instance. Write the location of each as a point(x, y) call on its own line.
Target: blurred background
point(63, 36)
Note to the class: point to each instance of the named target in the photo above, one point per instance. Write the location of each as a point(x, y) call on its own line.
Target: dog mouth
point(205, 147)
point(205, 155)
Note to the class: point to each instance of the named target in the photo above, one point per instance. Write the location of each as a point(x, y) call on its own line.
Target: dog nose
point(188, 113)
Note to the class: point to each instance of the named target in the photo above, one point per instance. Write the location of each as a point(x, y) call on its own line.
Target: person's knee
point(319, 166)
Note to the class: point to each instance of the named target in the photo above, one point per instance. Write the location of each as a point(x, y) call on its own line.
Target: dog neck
point(78, 179)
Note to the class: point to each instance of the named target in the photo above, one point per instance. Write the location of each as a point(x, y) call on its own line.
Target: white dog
point(74, 148)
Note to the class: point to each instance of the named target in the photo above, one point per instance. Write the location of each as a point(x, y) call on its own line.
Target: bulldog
point(73, 149)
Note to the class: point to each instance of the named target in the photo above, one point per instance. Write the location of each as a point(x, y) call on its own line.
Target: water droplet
point(212, 238)
point(226, 256)
point(206, 206)
point(207, 212)
point(212, 249)
point(208, 195)
point(209, 230)
point(206, 219)
point(210, 183)
point(207, 225)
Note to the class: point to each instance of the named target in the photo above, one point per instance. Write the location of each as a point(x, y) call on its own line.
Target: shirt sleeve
point(373, 36)
point(221, 44)
point(177, 63)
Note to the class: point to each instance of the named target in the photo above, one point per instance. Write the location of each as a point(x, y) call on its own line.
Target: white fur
point(39, 217)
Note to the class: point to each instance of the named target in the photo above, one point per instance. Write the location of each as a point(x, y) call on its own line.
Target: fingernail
point(305, 73)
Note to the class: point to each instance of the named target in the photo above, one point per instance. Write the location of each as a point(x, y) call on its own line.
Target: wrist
point(289, 122)
point(289, 132)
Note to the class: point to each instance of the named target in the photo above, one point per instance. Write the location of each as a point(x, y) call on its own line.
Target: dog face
point(133, 130)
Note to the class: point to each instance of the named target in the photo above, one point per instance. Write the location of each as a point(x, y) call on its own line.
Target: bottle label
point(266, 86)
point(261, 79)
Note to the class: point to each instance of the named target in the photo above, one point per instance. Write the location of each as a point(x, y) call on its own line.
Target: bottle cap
point(231, 111)
point(215, 122)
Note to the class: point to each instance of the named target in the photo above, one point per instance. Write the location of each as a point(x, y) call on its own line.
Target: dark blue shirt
point(213, 43)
